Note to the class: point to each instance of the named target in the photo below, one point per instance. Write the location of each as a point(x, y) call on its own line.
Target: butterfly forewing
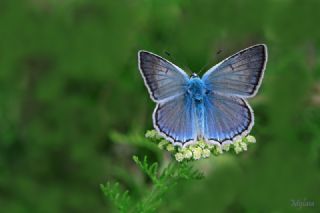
point(239, 75)
point(163, 79)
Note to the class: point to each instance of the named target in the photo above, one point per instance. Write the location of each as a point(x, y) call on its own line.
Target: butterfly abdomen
point(198, 114)
point(197, 91)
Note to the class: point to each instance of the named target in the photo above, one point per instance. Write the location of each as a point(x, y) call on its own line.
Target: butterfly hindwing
point(240, 74)
point(175, 119)
point(226, 117)
point(163, 79)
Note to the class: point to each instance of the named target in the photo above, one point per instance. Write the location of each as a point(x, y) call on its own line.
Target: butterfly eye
point(207, 92)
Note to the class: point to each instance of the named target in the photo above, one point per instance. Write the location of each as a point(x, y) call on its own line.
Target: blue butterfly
point(212, 108)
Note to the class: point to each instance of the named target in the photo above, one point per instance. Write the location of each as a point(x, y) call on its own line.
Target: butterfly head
point(194, 75)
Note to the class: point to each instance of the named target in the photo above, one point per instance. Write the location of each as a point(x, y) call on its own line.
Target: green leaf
point(162, 182)
point(120, 199)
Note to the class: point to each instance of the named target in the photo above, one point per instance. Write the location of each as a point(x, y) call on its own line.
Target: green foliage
point(168, 177)
point(120, 199)
point(73, 106)
point(151, 171)
point(162, 182)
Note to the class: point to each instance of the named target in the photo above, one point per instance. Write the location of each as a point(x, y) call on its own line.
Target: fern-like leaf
point(150, 170)
point(163, 181)
point(121, 199)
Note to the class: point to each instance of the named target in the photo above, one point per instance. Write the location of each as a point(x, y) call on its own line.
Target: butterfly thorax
point(196, 89)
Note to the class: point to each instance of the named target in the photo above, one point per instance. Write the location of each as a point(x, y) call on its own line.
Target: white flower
point(201, 149)
point(217, 150)
point(236, 144)
point(206, 153)
point(201, 144)
point(179, 156)
point(197, 151)
point(226, 147)
point(210, 146)
point(170, 147)
point(251, 139)
point(162, 144)
point(149, 134)
point(243, 146)
point(187, 154)
point(237, 149)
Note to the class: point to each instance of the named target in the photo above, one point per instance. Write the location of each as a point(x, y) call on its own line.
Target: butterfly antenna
point(173, 59)
point(188, 70)
point(202, 68)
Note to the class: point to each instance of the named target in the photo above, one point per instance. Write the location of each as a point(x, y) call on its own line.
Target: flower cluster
point(201, 149)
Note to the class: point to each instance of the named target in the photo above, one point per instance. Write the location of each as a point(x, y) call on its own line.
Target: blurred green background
point(72, 101)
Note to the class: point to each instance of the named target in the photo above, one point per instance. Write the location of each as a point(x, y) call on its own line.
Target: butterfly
point(212, 108)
